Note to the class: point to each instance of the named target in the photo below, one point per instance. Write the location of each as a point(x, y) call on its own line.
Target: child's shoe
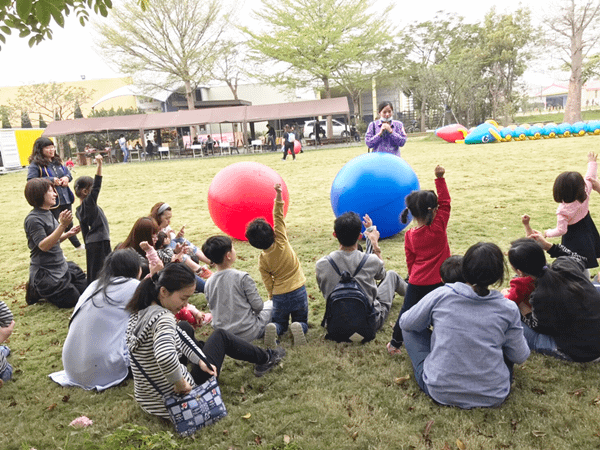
point(298, 334)
point(275, 357)
point(206, 319)
point(393, 350)
point(31, 294)
point(271, 335)
point(5, 351)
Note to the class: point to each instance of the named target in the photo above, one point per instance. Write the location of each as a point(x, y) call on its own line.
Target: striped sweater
point(6, 317)
point(153, 341)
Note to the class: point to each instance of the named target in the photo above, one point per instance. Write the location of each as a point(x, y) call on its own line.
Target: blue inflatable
point(375, 184)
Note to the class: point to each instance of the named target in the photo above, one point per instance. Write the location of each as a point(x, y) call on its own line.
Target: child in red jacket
point(426, 246)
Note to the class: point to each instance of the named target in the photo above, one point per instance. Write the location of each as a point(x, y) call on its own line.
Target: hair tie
point(162, 208)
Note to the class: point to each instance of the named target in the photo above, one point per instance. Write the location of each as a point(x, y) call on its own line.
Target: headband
point(162, 208)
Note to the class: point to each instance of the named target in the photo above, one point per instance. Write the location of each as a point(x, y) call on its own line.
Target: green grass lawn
point(324, 395)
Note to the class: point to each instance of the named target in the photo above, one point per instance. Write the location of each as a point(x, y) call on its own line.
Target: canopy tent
point(184, 118)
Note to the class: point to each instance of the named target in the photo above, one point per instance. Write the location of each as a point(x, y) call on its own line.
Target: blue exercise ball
point(375, 184)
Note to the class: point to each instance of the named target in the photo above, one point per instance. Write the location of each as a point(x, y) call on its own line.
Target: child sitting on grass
point(467, 360)
point(178, 253)
point(451, 270)
point(282, 274)
point(94, 226)
point(6, 328)
point(232, 296)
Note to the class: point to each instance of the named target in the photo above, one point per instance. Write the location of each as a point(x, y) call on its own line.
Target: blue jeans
point(125, 154)
point(542, 343)
point(293, 303)
point(199, 284)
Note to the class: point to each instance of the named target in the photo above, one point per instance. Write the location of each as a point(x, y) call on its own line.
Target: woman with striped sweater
point(153, 340)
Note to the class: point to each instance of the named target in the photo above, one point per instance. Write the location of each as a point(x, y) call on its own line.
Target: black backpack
point(348, 310)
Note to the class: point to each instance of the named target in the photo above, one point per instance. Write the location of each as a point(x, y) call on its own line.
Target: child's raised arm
point(99, 165)
point(528, 230)
point(278, 189)
point(439, 171)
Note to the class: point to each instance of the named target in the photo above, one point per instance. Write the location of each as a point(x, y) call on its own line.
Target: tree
point(42, 122)
point(6, 113)
point(503, 56)
point(576, 25)
point(55, 101)
point(77, 114)
point(25, 121)
point(313, 40)
point(229, 67)
point(173, 42)
point(33, 17)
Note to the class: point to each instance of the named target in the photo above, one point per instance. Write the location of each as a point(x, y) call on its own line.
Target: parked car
point(339, 129)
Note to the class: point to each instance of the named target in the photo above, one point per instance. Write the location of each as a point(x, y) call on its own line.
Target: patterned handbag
point(190, 412)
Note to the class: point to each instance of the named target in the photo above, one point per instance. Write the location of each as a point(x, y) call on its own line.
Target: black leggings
point(288, 146)
point(217, 346)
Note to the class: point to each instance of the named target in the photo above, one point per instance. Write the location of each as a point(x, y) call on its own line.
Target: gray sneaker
point(298, 334)
point(271, 335)
point(275, 357)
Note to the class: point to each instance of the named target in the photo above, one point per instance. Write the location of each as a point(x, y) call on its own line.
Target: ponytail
point(421, 204)
point(173, 277)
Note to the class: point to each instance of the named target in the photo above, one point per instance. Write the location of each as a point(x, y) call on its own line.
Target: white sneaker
point(298, 334)
point(271, 336)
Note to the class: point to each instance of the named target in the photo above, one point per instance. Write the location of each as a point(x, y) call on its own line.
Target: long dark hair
point(421, 205)
point(118, 268)
point(527, 256)
point(483, 265)
point(173, 277)
point(37, 155)
point(143, 229)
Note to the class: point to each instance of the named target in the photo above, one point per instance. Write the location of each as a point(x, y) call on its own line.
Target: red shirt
point(427, 247)
point(520, 290)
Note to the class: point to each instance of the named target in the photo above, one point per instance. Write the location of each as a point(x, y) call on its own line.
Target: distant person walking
point(271, 138)
point(123, 145)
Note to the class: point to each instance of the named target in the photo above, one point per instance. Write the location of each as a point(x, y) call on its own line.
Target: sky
point(71, 54)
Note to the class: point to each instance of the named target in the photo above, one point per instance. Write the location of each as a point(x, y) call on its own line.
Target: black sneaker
point(275, 356)
point(31, 294)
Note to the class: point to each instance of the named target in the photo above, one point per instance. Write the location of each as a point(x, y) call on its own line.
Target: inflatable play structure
point(375, 184)
point(490, 131)
point(242, 192)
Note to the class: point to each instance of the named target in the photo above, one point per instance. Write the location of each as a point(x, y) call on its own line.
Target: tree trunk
point(329, 118)
point(573, 106)
point(189, 96)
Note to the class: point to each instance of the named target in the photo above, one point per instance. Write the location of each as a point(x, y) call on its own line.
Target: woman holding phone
point(386, 135)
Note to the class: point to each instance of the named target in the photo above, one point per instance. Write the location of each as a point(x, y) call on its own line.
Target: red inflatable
point(297, 148)
point(241, 193)
point(452, 133)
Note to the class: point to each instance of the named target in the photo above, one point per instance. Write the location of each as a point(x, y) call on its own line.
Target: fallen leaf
point(446, 446)
point(242, 391)
point(538, 391)
point(596, 401)
point(51, 407)
point(537, 433)
point(66, 398)
point(354, 435)
point(401, 380)
point(225, 432)
point(460, 444)
point(12, 404)
point(577, 392)
point(286, 439)
point(247, 416)
point(513, 424)
point(258, 440)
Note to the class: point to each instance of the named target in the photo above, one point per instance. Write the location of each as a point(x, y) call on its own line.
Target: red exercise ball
point(242, 192)
point(297, 148)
